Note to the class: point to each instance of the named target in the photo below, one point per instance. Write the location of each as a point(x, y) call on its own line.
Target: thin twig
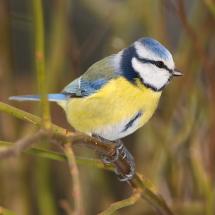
point(57, 156)
point(21, 145)
point(122, 204)
point(78, 205)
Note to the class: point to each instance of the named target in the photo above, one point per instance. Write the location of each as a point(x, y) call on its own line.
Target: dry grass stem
point(77, 197)
point(122, 204)
point(21, 145)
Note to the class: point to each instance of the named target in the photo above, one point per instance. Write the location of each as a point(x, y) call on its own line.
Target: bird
point(118, 94)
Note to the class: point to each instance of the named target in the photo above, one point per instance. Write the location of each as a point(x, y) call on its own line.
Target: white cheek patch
point(151, 75)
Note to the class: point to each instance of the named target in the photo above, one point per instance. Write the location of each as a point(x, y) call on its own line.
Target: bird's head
point(149, 61)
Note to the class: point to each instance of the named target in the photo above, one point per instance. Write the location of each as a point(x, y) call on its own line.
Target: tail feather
point(51, 97)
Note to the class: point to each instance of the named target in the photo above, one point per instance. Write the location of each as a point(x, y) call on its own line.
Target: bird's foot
point(115, 157)
point(127, 156)
point(121, 153)
point(118, 151)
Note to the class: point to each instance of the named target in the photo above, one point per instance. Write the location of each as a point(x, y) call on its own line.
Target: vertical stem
point(40, 61)
point(58, 41)
point(45, 194)
point(46, 201)
point(6, 68)
point(78, 206)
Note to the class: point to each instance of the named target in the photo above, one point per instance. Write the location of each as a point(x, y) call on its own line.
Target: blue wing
point(94, 78)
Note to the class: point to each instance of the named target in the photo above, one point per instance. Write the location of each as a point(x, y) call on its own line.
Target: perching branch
point(57, 156)
point(63, 136)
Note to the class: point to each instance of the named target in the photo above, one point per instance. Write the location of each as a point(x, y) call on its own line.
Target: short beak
point(176, 72)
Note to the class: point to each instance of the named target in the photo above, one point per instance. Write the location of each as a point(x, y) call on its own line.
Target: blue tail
point(51, 97)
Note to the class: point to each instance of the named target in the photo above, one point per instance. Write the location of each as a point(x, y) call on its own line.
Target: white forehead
point(154, 51)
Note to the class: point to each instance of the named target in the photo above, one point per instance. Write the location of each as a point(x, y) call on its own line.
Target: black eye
point(159, 64)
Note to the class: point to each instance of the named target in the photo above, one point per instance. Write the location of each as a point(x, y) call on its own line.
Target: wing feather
point(94, 78)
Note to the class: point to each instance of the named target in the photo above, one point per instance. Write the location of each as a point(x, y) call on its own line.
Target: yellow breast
point(117, 101)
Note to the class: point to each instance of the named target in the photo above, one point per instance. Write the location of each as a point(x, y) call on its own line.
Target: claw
point(130, 175)
point(107, 160)
point(119, 150)
point(126, 177)
point(124, 155)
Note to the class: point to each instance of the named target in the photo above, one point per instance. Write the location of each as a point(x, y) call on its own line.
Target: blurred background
point(175, 150)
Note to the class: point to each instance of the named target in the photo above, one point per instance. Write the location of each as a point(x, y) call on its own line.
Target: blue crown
point(155, 47)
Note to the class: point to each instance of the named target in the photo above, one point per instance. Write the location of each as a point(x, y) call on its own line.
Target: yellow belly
point(114, 103)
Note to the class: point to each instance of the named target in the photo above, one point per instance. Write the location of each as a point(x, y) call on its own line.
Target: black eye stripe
point(159, 64)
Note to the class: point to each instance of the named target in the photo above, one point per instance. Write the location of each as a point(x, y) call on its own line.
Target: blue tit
point(118, 94)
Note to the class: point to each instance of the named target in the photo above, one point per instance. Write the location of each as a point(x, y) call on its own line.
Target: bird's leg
point(122, 153)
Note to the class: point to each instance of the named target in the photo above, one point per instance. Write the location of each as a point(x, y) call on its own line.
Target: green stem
point(28, 117)
point(40, 61)
point(45, 197)
point(150, 194)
